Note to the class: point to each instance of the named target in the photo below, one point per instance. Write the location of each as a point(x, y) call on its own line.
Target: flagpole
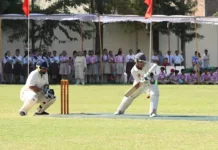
point(1, 52)
point(197, 49)
point(100, 48)
point(81, 28)
point(28, 45)
point(151, 37)
point(26, 10)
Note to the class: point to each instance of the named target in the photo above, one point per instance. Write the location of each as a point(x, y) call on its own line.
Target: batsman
point(144, 82)
point(36, 90)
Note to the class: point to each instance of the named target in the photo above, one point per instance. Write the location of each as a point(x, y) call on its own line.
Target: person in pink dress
point(119, 60)
point(182, 77)
point(112, 66)
point(93, 71)
point(64, 65)
point(106, 66)
point(192, 78)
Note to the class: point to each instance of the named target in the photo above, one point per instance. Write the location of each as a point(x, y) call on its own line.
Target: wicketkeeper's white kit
point(30, 98)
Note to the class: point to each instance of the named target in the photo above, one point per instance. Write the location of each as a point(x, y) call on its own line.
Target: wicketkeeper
point(36, 90)
point(144, 81)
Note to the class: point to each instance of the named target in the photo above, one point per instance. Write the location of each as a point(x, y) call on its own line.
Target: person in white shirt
point(155, 58)
point(206, 59)
point(169, 57)
point(17, 69)
point(142, 70)
point(130, 62)
point(80, 68)
point(36, 90)
point(177, 59)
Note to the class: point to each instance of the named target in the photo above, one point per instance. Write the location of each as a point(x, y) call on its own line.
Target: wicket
point(64, 97)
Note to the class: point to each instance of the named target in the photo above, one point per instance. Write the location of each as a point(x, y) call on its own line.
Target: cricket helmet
point(42, 64)
point(140, 57)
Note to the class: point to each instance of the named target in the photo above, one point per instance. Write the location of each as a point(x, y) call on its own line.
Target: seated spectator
point(212, 77)
point(170, 76)
point(162, 79)
point(175, 77)
point(192, 78)
point(205, 77)
point(216, 75)
point(182, 77)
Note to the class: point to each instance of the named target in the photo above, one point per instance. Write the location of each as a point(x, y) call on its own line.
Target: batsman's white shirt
point(35, 79)
point(138, 74)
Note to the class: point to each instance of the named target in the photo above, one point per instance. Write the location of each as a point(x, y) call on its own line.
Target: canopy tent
point(113, 18)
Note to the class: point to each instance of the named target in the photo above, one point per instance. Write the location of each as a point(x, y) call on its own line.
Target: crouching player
point(36, 90)
point(142, 70)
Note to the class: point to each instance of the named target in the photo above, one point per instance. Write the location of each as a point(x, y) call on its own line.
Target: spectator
point(169, 57)
point(206, 59)
point(177, 59)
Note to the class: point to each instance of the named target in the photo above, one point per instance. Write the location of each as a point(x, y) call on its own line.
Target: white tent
point(113, 18)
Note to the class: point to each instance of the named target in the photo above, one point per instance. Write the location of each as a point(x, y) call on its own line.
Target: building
point(207, 7)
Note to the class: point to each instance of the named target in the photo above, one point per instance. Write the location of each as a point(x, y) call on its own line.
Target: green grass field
point(49, 133)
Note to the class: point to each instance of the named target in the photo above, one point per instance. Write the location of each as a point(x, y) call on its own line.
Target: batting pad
point(44, 105)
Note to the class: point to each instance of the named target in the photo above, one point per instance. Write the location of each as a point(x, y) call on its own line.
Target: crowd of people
point(181, 77)
point(85, 67)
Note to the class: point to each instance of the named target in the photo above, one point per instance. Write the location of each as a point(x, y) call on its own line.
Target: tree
point(43, 32)
point(13, 6)
point(215, 14)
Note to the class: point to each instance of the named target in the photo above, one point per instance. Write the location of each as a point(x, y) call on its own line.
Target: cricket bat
point(143, 83)
point(133, 89)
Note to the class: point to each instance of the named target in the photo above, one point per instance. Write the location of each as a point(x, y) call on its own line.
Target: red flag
point(150, 8)
point(26, 8)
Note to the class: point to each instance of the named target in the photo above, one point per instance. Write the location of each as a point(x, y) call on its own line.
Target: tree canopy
point(42, 32)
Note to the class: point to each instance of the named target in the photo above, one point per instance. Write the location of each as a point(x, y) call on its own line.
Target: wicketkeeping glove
point(45, 88)
point(50, 94)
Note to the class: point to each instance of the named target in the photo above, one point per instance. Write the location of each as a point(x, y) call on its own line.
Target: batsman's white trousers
point(151, 90)
point(30, 98)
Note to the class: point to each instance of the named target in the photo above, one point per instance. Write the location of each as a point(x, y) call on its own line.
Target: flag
point(26, 8)
point(150, 8)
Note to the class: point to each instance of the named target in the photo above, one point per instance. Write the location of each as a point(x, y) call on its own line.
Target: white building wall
point(114, 38)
